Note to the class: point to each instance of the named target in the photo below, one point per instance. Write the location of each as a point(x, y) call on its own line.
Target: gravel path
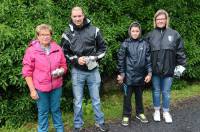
point(186, 118)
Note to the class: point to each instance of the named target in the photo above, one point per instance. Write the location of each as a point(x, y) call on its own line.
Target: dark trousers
point(127, 107)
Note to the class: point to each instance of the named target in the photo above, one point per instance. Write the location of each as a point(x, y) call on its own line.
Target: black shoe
point(77, 129)
point(101, 127)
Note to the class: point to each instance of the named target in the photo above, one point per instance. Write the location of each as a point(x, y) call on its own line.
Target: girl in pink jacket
point(44, 65)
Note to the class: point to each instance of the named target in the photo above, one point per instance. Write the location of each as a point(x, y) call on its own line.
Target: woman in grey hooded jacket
point(167, 52)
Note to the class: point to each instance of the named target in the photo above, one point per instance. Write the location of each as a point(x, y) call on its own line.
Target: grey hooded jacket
point(167, 51)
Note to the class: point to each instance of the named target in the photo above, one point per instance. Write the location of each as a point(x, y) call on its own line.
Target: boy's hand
point(147, 78)
point(120, 79)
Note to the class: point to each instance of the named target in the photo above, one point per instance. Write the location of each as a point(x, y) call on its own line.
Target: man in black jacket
point(83, 46)
point(168, 58)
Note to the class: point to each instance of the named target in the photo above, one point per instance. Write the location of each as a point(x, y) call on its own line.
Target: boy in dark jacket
point(134, 70)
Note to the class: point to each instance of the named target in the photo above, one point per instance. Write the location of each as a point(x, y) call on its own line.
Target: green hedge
point(20, 17)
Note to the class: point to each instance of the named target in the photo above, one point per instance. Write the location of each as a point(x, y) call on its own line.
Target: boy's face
point(135, 32)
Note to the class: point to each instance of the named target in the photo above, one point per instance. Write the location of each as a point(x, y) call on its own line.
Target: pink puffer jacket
point(38, 65)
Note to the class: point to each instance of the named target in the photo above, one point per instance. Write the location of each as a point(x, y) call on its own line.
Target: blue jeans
point(161, 85)
point(49, 101)
point(93, 80)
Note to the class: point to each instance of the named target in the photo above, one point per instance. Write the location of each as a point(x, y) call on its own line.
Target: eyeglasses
point(160, 19)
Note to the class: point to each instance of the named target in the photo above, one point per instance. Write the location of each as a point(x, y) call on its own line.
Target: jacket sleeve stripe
point(72, 57)
point(101, 55)
point(65, 37)
point(97, 30)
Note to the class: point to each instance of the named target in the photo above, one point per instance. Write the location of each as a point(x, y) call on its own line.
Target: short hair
point(43, 27)
point(135, 24)
point(77, 8)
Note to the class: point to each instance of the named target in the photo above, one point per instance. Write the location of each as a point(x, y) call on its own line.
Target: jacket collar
point(37, 46)
point(133, 40)
point(86, 22)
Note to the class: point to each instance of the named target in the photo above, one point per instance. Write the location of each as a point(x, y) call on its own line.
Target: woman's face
point(161, 21)
point(135, 32)
point(44, 36)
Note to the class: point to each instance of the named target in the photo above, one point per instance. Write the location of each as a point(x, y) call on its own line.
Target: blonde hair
point(159, 12)
point(43, 27)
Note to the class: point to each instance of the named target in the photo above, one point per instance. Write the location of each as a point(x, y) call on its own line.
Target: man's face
point(135, 32)
point(161, 21)
point(77, 17)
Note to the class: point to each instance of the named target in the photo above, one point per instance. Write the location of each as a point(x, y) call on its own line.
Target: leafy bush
point(15, 111)
point(20, 17)
point(179, 84)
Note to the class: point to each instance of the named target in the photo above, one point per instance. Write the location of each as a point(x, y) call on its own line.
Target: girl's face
point(135, 32)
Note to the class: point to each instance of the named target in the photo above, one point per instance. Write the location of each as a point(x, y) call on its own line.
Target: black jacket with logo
point(84, 41)
point(167, 51)
point(134, 61)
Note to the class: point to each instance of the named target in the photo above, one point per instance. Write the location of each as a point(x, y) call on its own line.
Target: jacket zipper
point(48, 58)
point(162, 35)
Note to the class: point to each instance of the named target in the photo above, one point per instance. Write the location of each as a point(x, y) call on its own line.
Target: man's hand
point(120, 79)
point(34, 95)
point(81, 60)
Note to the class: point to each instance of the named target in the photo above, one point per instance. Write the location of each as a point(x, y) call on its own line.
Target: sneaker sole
point(166, 121)
point(157, 120)
point(141, 120)
point(98, 127)
point(124, 124)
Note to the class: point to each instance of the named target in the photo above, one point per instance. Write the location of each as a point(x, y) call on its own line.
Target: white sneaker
point(156, 115)
point(167, 117)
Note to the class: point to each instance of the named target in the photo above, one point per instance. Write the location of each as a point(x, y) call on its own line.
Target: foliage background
point(20, 17)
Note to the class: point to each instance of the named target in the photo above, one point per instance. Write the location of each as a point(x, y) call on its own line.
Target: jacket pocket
point(43, 77)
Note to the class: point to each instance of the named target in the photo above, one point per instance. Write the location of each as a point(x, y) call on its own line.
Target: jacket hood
point(161, 11)
point(134, 24)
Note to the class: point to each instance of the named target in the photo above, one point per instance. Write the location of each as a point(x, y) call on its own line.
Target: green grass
point(112, 108)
